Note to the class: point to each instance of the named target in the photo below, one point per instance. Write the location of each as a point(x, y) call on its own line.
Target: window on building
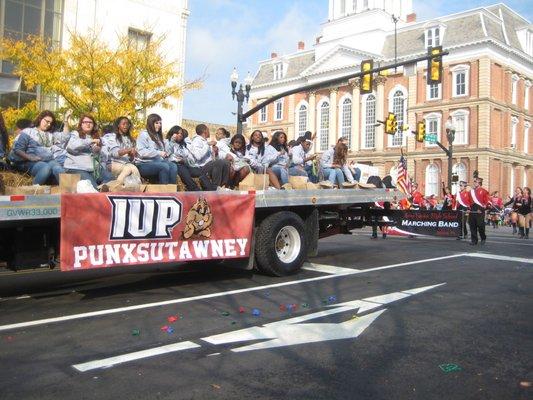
point(369, 141)
point(138, 40)
point(346, 120)
point(433, 37)
point(460, 121)
point(278, 105)
point(278, 71)
point(527, 89)
point(324, 126)
point(432, 180)
point(433, 126)
point(527, 125)
point(514, 88)
point(433, 91)
point(302, 120)
point(398, 108)
point(514, 128)
point(458, 169)
point(263, 115)
point(18, 20)
point(460, 79)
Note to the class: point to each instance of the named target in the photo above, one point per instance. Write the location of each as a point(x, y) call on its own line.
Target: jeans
point(334, 175)
point(41, 170)
point(356, 172)
point(282, 173)
point(105, 176)
point(166, 171)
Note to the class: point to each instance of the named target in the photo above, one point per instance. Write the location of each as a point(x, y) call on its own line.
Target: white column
point(380, 112)
point(312, 113)
point(291, 119)
point(356, 111)
point(333, 107)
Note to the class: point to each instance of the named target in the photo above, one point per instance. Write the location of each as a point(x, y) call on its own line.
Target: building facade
point(59, 19)
point(486, 91)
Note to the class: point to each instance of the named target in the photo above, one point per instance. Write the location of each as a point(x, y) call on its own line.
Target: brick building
point(486, 90)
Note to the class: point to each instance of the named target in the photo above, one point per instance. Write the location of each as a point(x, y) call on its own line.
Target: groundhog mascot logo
point(199, 220)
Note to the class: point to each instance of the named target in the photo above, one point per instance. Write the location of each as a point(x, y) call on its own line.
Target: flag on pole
point(403, 182)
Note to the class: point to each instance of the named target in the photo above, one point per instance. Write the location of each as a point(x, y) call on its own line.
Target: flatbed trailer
point(287, 225)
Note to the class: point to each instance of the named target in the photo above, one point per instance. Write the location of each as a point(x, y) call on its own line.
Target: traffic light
point(367, 80)
point(421, 131)
point(391, 124)
point(434, 73)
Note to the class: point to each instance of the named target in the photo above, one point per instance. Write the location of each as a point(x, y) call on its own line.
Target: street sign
point(431, 138)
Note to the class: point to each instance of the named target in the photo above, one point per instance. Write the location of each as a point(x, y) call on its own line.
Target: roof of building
point(296, 65)
point(497, 23)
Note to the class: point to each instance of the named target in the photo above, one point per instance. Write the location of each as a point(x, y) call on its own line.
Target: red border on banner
point(101, 230)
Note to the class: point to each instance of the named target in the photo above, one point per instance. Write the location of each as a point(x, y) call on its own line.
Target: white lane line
point(502, 258)
point(328, 269)
point(210, 296)
point(111, 361)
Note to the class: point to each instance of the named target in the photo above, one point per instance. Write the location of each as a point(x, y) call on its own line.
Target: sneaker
point(473, 243)
point(223, 189)
point(326, 184)
point(482, 242)
point(287, 186)
point(459, 238)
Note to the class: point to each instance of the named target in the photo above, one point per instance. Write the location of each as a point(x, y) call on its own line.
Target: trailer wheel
point(280, 245)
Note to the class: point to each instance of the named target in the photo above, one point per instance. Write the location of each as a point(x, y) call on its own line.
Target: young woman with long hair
point(524, 213)
point(239, 168)
point(120, 152)
point(516, 202)
point(335, 165)
point(152, 158)
point(84, 153)
point(39, 150)
point(281, 166)
point(261, 156)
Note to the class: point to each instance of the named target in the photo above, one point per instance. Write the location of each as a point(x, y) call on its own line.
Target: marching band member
point(463, 203)
point(480, 202)
point(417, 198)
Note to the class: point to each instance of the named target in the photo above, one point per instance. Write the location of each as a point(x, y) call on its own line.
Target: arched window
point(458, 169)
point(398, 108)
point(324, 126)
point(432, 180)
point(460, 121)
point(346, 120)
point(369, 140)
point(302, 119)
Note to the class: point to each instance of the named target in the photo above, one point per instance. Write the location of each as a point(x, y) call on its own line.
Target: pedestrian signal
point(367, 79)
point(421, 131)
point(391, 124)
point(434, 73)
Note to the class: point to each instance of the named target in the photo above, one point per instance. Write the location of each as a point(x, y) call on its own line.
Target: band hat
point(463, 183)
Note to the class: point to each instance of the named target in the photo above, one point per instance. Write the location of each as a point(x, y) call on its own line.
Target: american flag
point(403, 181)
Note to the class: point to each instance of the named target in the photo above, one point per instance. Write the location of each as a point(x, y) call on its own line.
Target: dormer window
point(278, 71)
point(433, 36)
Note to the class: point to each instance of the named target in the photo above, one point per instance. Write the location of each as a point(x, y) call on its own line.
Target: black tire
point(267, 258)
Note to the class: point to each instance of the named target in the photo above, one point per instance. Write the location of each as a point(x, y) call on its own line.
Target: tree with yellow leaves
point(91, 77)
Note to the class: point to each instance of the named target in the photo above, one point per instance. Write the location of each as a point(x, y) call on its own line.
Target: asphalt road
point(368, 319)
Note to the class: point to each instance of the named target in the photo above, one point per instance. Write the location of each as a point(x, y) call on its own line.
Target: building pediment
point(338, 58)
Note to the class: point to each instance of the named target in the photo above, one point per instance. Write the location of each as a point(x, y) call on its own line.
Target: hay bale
point(15, 179)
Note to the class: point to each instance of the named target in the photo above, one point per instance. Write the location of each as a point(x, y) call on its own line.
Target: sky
point(223, 34)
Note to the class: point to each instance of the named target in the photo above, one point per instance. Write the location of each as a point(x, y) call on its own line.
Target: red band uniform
point(480, 202)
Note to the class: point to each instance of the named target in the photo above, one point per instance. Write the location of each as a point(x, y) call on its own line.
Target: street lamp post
point(450, 134)
point(242, 95)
